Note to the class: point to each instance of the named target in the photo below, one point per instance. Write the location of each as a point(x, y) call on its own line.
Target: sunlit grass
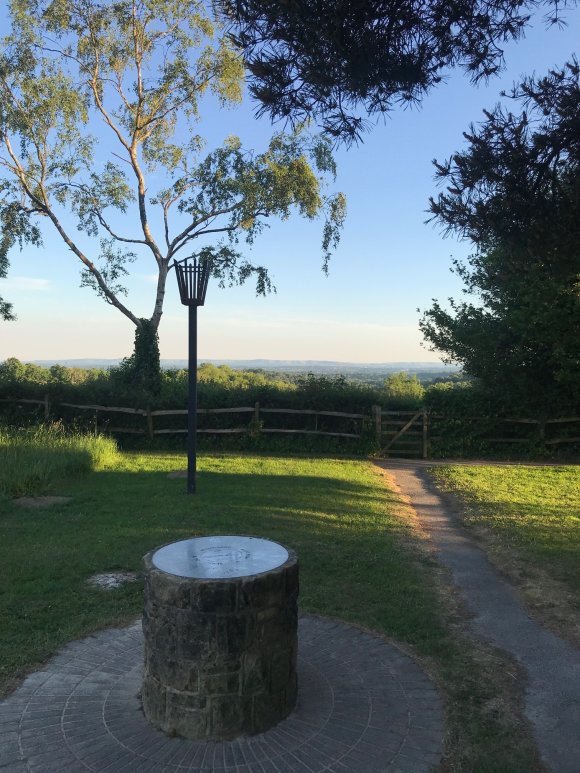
point(32, 460)
point(535, 511)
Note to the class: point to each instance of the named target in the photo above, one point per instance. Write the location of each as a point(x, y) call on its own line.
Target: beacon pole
point(192, 278)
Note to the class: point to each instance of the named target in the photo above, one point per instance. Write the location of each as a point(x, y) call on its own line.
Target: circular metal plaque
point(219, 557)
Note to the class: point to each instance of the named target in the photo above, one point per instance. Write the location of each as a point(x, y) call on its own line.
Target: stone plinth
point(220, 643)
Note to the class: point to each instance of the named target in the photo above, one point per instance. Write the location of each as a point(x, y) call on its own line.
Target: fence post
point(149, 423)
point(378, 420)
point(542, 430)
point(426, 437)
point(46, 407)
point(255, 423)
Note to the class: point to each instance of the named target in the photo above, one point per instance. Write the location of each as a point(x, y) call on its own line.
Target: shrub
point(403, 391)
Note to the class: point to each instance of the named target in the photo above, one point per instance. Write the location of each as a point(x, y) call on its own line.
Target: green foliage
point(404, 391)
point(96, 100)
point(466, 398)
point(467, 420)
point(14, 229)
point(333, 393)
point(5, 307)
point(331, 60)
point(141, 372)
point(464, 415)
point(515, 193)
point(29, 377)
point(219, 386)
point(27, 380)
point(33, 460)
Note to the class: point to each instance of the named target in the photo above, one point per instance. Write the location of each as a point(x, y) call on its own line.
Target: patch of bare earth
point(504, 680)
point(112, 580)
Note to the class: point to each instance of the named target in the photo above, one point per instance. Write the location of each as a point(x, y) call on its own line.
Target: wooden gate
point(402, 433)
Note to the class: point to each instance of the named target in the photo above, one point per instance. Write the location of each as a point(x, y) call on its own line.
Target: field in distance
point(365, 373)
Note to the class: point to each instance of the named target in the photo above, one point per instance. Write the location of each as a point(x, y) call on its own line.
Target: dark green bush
point(465, 418)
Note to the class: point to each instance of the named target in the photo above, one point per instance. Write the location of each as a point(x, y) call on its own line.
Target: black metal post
point(192, 278)
point(192, 402)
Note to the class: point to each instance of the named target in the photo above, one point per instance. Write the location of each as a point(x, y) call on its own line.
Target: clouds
point(25, 284)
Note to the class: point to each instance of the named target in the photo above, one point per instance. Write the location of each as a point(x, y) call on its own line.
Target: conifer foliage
point(340, 61)
point(515, 193)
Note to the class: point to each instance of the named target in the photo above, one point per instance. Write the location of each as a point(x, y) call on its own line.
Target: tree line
point(219, 386)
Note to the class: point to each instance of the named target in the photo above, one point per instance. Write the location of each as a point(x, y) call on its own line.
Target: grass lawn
point(361, 560)
point(529, 518)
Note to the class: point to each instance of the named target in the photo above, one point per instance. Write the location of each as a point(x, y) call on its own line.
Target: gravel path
point(553, 666)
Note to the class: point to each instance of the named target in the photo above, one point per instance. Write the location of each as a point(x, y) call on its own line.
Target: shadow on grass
point(357, 559)
point(353, 565)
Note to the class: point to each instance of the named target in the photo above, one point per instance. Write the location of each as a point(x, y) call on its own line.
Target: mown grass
point(534, 510)
point(529, 518)
point(32, 460)
point(360, 560)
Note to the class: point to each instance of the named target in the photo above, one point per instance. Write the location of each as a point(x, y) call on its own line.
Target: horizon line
point(225, 360)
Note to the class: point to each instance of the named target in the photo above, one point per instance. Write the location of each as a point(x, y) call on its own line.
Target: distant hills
point(302, 365)
point(320, 367)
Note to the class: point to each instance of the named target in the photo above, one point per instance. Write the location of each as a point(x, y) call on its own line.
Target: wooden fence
point(255, 424)
point(397, 433)
point(412, 433)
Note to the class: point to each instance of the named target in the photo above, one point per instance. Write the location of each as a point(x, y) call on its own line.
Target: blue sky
point(389, 263)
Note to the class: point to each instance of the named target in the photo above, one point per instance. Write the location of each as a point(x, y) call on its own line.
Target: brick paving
point(363, 707)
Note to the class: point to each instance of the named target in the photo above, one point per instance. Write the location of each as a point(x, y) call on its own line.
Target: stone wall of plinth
point(220, 655)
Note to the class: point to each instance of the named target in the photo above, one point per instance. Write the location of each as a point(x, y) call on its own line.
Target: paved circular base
point(363, 706)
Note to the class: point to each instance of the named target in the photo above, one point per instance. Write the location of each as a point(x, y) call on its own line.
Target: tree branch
point(44, 206)
point(90, 266)
point(182, 238)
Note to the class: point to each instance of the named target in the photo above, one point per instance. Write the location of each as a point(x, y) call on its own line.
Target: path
point(553, 666)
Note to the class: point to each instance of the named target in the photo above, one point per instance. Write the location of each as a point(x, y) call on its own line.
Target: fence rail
point(255, 425)
point(397, 433)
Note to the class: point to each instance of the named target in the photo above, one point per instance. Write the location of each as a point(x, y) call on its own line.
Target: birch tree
point(100, 105)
